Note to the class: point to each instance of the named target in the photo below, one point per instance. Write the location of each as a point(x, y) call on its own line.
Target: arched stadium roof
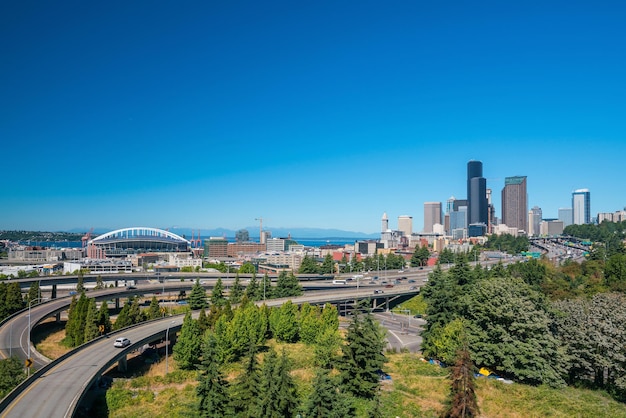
point(137, 232)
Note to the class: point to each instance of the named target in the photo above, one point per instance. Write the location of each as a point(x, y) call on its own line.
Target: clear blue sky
point(309, 114)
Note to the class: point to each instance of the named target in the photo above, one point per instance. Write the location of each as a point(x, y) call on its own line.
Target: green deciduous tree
point(420, 256)
point(284, 323)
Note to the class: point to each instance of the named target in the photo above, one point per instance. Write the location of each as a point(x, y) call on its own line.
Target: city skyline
point(308, 115)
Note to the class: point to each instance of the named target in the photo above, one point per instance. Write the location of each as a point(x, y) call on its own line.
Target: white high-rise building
point(581, 206)
point(405, 225)
point(534, 221)
point(385, 223)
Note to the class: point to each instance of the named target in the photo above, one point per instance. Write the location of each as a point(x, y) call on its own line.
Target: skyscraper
point(405, 225)
point(565, 215)
point(514, 203)
point(534, 221)
point(432, 215)
point(477, 211)
point(581, 206)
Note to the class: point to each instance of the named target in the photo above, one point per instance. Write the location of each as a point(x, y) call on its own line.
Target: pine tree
point(203, 321)
point(198, 297)
point(103, 317)
point(462, 402)
point(246, 389)
point(278, 397)
point(123, 317)
point(80, 282)
point(287, 285)
point(217, 295)
point(213, 388)
point(327, 401)
point(154, 311)
point(188, 347)
point(91, 321)
point(252, 289)
point(328, 266)
point(362, 357)
point(266, 289)
point(236, 291)
point(4, 312)
point(99, 283)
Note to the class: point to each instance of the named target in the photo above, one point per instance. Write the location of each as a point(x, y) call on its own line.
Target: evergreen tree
point(236, 291)
point(134, 313)
point(188, 347)
point(75, 326)
point(217, 295)
point(213, 388)
point(123, 317)
point(326, 400)
point(284, 323)
point(103, 317)
point(91, 321)
point(462, 402)
point(252, 289)
point(326, 348)
point(377, 411)
point(287, 285)
point(362, 357)
point(11, 374)
point(328, 266)
point(33, 294)
point(80, 282)
point(154, 310)
point(4, 311)
point(99, 283)
point(246, 389)
point(198, 297)
point(13, 298)
point(446, 256)
point(203, 322)
point(308, 265)
point(266, 289)
point(279, 398)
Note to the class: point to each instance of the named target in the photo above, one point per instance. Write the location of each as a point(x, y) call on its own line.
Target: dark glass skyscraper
point(477, 208)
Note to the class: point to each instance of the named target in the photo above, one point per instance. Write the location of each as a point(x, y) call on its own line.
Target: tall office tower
point(384, 223)
point(514, 203)
point(432, 215)
point(581, 207)
point(565, 215)
point(534, 221)
point(405, 225)
point(476, 194)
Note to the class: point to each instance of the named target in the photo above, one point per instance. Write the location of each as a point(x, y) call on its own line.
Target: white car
point(121, 342)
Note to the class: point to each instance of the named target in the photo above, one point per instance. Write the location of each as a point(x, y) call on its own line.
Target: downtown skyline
point(308, 115)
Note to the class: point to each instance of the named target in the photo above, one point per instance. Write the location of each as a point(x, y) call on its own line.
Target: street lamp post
point(30, 302)
point(167, 343)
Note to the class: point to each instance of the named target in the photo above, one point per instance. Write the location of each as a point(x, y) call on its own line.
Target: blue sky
point(309, 114)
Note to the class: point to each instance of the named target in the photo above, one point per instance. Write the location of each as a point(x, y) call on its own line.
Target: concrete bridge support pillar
point(53, 295)
point(122, 364)
point(387, 302)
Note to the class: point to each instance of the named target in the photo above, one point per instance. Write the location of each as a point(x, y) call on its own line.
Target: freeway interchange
point(57, 387)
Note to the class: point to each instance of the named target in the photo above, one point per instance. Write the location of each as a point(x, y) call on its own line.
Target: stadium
point(136, 240)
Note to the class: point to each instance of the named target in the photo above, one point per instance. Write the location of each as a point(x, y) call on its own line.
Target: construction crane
point(85, 239)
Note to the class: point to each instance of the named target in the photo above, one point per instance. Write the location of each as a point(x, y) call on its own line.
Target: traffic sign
point(28, 362)
point(101, 328)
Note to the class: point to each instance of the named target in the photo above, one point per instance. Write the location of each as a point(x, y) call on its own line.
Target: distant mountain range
point(254, 232)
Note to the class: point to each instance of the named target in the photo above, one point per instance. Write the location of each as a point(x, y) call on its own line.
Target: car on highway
point(377, 291)
point(121, 342)
point(411, 281)
point(388, 285)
